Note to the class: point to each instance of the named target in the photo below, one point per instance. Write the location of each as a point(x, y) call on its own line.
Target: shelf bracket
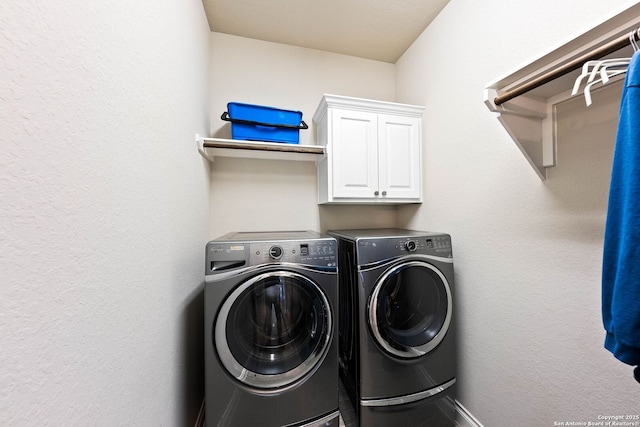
point(530, 125)
point(203, 152)
point(530, 118)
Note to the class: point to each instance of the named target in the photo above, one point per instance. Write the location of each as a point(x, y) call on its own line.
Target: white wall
point(264, 195)
point(105, 205)
point(528, 253)
point(104, 212)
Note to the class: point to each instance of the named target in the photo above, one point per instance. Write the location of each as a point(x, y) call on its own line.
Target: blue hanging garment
point(621, 258)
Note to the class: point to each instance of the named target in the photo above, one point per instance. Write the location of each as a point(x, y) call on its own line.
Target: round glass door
point(410, 309)
point(273, 329)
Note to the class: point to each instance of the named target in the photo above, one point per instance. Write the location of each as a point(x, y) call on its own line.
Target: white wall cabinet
point(372, 151)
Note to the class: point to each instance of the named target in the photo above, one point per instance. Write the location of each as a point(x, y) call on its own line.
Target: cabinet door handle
point(384, 193)
point(375, 193)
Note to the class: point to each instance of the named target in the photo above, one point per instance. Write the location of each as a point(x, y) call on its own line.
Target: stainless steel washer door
point(273, 329)
point(410, 309)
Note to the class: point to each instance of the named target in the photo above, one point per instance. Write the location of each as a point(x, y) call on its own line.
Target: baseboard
point(464, 417)
point(200, 421)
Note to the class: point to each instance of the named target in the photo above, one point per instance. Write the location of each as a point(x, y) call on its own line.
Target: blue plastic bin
point(260, 123)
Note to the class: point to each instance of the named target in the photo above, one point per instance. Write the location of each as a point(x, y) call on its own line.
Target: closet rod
point(598, 53)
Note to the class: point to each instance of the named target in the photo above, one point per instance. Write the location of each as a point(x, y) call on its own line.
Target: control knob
point(410, 245)
point(275, 252)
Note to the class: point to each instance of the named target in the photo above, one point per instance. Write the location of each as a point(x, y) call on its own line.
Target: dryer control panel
point(426, 245)
point(375, 249)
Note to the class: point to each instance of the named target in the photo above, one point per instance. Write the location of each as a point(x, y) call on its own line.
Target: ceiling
point(381, 30)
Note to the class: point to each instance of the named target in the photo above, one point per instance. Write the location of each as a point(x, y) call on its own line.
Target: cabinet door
point(354, 154)
point(399, 140)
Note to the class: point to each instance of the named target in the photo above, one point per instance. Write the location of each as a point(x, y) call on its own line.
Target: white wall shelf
point(218, 147)
point(529, 119)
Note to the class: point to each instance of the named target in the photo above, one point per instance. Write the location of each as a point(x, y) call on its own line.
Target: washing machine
point(271, 354)
point(397, 339)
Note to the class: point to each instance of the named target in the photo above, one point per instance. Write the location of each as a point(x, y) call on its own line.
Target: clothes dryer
point(271, 356)
point(397, 338)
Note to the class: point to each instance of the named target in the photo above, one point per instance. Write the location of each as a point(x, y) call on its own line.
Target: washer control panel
point(314, 252)
point(222, 256)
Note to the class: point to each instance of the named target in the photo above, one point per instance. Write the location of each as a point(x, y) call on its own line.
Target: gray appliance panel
point(228, 400)
point(384, 244)
point(436, 411)
point(224, 255)
point(374, 373)
point(255, 236)
point(383, 375)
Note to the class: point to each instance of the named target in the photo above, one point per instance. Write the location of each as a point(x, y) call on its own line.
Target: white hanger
point(605, 68)
point(604, 80)
point(632, 40)
point(592, 68)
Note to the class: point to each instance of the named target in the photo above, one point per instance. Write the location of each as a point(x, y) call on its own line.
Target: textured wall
point(104, 211)
point(282, 195)
point(528, 253)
